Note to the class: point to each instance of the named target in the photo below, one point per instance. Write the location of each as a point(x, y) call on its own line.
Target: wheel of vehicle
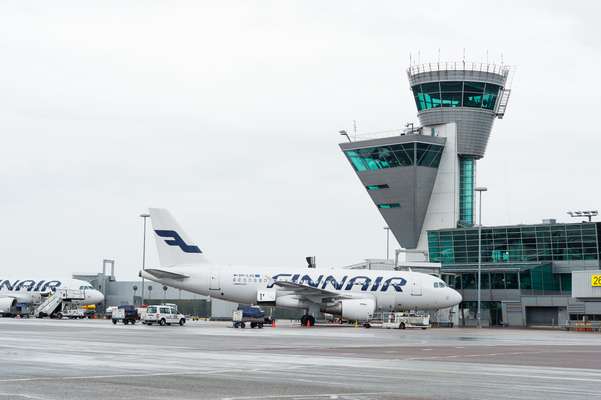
point(182, 322)
point(402, 325)
point(162, 322)
point(125, 322)
point(303, 320)
point(367, 325)
point(242, 325)
point(424, 327)
point(114, 322)
point(59, 315)
point(149, 323)
point(311, 320)
point(253, 325)
point(260, 325)
point(168, 323)
point(236, 325)
point(133, 321)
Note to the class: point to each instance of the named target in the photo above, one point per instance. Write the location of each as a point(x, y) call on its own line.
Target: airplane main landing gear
point(307, 320)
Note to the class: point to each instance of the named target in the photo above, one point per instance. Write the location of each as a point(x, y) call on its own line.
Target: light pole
point(135, 288)
point(144, 216)
point(387, 229)
point(479, 190)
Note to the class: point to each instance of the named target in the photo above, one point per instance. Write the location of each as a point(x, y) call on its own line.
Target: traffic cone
point(273, 323)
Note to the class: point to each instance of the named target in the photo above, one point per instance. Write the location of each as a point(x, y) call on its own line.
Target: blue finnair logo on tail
point(176, 240)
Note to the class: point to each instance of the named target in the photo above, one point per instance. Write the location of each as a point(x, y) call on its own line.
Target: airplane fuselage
point(31, 291)
point(392, 290)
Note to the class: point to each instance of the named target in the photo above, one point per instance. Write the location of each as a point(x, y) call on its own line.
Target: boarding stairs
point(502, 106)
point(55, 300)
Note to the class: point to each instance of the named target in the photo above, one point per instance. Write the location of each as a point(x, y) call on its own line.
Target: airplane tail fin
point(173, 244)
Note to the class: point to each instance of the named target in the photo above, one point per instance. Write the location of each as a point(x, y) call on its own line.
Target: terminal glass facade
point(456, 94)
point(516, 244)
point(466, 191)
point(397, 155)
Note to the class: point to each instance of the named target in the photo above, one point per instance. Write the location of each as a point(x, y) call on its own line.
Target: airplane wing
point(161, 273)
point(310, 292)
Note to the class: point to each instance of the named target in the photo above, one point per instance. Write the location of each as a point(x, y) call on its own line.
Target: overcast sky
point(228, 113)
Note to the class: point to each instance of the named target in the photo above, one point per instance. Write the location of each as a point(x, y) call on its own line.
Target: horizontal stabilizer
point(163, 274)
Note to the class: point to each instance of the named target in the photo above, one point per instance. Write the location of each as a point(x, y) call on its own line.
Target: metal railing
point(387, 133)
point(499, 69)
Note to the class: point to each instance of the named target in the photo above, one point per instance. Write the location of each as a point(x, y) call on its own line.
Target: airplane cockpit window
point(83, 287)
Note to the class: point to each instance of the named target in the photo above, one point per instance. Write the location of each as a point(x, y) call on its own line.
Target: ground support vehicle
point(73, 313)
point(127, 314)
point(399, 320)
point(163, 315)
point(248, 315)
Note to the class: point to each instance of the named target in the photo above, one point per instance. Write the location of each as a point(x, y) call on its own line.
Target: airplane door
point(214, 281)
point(416, 288)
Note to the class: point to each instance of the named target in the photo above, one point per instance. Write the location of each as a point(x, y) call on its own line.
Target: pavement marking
point(20, 395)
point(306, 396)
point(125, 375)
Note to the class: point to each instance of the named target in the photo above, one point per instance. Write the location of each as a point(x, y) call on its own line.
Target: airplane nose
point(455, 297)
point(97, 297)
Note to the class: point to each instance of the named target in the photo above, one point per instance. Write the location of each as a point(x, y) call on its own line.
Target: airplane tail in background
point(173, 244)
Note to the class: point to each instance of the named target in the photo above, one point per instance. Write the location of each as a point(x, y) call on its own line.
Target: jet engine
point(6, 304)
point(352, 309)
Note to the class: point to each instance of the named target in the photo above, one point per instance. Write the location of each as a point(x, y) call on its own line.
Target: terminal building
point(423, 182)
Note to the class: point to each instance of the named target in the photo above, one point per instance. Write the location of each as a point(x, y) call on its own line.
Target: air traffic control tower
point(424, 177)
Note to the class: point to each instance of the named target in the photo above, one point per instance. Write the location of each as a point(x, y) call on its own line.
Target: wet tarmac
point(93, 359)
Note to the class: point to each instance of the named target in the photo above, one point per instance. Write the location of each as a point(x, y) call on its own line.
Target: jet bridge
point(54, 302)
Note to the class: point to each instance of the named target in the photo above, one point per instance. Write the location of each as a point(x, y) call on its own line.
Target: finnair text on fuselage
point(331, 282)
point(29, 285)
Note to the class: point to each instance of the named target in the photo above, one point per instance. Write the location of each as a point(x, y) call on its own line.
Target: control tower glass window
point(456, 94)
point(398, 155)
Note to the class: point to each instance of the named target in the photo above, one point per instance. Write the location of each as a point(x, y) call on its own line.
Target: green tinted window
point(382, 157)
point(511, 280)
point(490, 96)
point(451, 86)
point(455, 94)
point(356, 160)
point(377, 187)
point(468, 280)
point(559, 242)
point(428, 155)
point(405, 153)
point(389, 205)
point(466, 191)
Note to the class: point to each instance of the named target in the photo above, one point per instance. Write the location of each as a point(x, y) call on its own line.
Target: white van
point(163, 315)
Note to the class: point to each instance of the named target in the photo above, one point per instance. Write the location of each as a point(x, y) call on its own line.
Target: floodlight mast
point(584, 213)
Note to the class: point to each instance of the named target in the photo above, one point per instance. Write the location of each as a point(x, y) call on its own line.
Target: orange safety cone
point(273, 323)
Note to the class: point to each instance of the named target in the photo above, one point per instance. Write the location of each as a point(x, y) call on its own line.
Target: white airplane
point(353, 295)
point(35, 291)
